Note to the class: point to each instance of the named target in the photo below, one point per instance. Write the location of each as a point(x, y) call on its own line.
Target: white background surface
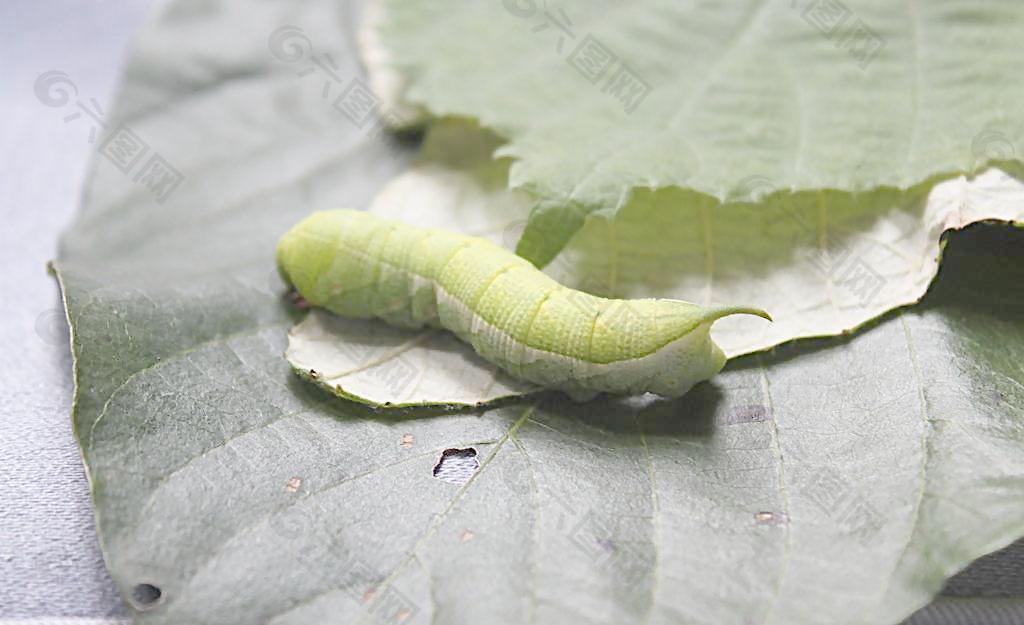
point(50, 564)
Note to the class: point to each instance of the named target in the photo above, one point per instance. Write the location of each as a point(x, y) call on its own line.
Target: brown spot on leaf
point(766, 517)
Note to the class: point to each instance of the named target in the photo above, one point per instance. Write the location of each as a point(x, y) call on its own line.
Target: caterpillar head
point(304, 255)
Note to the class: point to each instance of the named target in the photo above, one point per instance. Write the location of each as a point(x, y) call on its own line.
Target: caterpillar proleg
point(355, 264)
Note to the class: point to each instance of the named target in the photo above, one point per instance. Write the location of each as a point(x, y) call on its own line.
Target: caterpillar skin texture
point(515, 316)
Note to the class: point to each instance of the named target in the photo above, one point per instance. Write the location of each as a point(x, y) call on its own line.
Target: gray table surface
point(50, 563)
point(51, 570)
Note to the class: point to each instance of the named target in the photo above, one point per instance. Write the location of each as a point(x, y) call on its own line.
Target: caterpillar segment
point(355, 264)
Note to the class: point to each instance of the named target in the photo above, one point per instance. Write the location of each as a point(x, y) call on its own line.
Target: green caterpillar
point(516, 317)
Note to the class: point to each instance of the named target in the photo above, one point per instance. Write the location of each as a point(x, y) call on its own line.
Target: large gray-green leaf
point(840, 481)
point(601, 101)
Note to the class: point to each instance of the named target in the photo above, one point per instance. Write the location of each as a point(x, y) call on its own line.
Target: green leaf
point(381, 365)
point(863, 95)
point(836, 481)
point(822, 263)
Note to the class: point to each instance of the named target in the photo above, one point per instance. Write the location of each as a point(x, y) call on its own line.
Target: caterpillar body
point(358, 265)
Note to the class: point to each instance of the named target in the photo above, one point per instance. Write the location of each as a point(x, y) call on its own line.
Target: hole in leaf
point(456, 466)
point(145, 596)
